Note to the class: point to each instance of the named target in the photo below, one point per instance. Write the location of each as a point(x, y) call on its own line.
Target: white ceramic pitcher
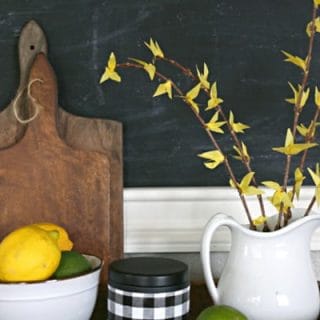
point(268, 275)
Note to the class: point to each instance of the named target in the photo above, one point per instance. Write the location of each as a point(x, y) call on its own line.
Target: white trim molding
point(173, 219)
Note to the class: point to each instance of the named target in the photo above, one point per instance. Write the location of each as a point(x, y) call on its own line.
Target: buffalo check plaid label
point(125, 305)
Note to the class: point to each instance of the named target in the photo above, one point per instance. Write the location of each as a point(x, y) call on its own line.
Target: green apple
point(221, 312)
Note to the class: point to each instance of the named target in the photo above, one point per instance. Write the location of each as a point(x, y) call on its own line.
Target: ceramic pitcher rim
point(291, 226)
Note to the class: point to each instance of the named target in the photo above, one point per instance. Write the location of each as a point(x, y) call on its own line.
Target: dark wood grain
point(62, 168)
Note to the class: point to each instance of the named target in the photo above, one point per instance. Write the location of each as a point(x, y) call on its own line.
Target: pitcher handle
point(214, 223)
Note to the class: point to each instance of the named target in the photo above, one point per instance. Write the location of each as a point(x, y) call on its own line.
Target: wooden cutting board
point(59, 167)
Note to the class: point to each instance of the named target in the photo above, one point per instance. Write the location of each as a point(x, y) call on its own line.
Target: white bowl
point(66, 299)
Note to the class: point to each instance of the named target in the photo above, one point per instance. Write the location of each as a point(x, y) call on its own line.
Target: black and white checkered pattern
point(124, 305)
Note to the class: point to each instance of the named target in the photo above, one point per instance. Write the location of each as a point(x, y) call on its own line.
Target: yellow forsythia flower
point(244, 186)
point(307, 131)
point(259, 220)
point(298, 181)
point(316, 25)
point(150, 68)
point(110, 72)
point(302, 129)
point(164, 88)
point(317, 97)
point(316, 180)
point(215, 125)
point(294, 100)
point(154, 48)
point(214, 100)
point(215, 158)
point(203, 77)
point(295, 60)
point(280, 198)
point(291, 148)
point(242, 153)
point(191, 95)
point(272, 185)
point(237, 127)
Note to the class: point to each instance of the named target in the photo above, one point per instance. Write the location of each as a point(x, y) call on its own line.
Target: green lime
point(72, 263)
point(221, 313)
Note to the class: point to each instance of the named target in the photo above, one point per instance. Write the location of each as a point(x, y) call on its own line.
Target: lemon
point(64, 241)
point(72, 263)
point(221, 312)
point(29, 254)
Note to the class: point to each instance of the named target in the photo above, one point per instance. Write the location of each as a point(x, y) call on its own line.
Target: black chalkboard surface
point(241, 42)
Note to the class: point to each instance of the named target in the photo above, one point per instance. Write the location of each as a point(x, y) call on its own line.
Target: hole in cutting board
point(32, 47)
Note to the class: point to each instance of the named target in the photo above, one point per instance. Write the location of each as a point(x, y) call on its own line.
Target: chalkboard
point(241, 42)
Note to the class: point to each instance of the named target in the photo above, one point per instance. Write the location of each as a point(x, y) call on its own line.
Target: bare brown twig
point(245, 161)
point(297, 112)
point(208, 132)
point(284, 212)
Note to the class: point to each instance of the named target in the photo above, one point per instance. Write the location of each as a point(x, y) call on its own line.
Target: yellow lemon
point(29, 254)
point(64, 242)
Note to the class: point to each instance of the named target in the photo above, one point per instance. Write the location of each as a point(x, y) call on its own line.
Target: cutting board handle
point(32, 41)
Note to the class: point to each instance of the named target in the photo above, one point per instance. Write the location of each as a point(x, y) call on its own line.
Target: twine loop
point(37, 106)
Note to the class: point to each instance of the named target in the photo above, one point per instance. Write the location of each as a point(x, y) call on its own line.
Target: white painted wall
point(173, 219)
point(169, 222)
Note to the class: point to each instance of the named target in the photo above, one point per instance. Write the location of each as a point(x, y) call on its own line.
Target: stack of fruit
point(39, 252)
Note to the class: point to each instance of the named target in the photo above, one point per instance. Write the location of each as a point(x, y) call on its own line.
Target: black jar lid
point(148, 274)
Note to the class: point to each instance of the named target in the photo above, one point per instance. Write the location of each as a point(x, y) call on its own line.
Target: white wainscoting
point(172, 219)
